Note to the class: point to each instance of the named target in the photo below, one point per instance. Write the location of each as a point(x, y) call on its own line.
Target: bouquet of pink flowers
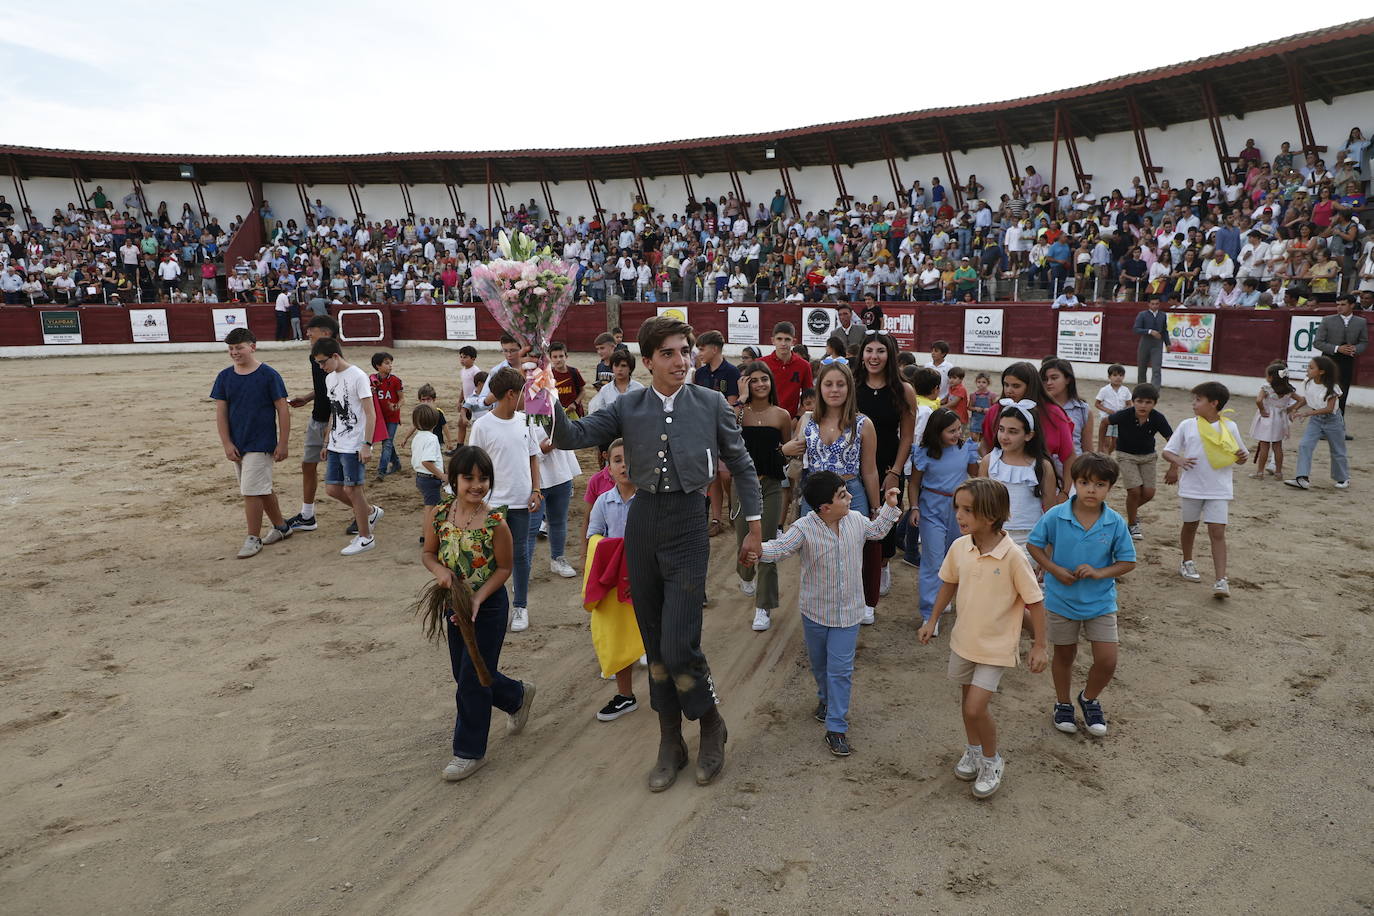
point(527, 291)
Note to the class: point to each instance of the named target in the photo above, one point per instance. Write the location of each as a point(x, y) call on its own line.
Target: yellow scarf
point(1217, 442)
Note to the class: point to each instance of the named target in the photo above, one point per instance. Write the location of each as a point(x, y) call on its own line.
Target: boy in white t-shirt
point(352, 424)
point(1111, 397)
point(938, 353)
point(1202, 453)
point(505, 435)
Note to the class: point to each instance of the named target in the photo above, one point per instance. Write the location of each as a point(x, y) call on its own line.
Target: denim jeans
point(831, 651)
point(908, 536)
point(554, 507)
point(518, 520)
point(388, 455)
point(474, 701)
point(1330, 427)
point(938, 531)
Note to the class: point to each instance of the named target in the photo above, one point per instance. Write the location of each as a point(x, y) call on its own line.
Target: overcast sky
point(348, 76)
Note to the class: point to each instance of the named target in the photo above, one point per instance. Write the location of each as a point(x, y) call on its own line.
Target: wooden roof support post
point(591, 188)
point(639, 180)
point(548, 195)
point(951, 172)
point(19, 189)
point(686, 176)
point(1080, 177)
point(1008, 154)
point(733, 170)
point(835, 168)
point(1209, 106)
point(792, 200)
point(1295, 86)
point(1142, 145)
point(304, 198)
point(898, 189)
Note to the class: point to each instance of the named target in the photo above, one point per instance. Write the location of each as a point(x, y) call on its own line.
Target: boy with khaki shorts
point(1134, 429)
point(1083, 546)
point(254, 427)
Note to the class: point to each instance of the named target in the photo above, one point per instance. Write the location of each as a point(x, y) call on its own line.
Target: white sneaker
point(461, 768)
point(1135, 532)
point(1222, 589)
point(561, 566)
point(276, 535)
point(989, 776)
point(519, 619)
point(1188, 570)
point(544, 528)
point(1342, 485)
point(967, 767)
point(747, 586)
point(358, 545)
point(885, 583)
point(762, 620)
point(868, 616)
point(374, 517)
point(252, 546)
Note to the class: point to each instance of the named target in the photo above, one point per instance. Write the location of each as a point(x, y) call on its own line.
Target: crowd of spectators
point(1278, 228)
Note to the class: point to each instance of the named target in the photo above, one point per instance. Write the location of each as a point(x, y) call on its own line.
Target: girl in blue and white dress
point(941, 461)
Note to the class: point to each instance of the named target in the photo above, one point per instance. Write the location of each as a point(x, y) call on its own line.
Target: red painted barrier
point(1246, 341)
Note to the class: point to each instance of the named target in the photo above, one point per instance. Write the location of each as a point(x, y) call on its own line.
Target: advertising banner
point(900, 322)
point(1190, 340)
point(1079, 339)
point(149, 325)
point(225, 320)
point(673, 311)
point(460, 323)
point(1302, 332)
point(744, 325)
point(817, 324)
point(983, 331)
point(61, 327)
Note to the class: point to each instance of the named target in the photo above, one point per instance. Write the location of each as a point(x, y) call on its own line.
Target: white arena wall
point(1184, 151)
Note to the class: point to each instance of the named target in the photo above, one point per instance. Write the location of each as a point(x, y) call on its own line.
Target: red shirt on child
point(386, 395)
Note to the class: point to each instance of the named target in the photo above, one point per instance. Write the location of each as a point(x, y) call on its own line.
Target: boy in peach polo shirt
point(994, 582)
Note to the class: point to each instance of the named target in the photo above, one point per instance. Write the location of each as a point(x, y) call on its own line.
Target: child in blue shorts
point(1083, 546)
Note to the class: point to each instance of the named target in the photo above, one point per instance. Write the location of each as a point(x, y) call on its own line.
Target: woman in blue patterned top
point(839, 439)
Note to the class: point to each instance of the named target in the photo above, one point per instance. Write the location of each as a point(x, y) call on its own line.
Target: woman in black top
point(890, 404)
point(764, 426)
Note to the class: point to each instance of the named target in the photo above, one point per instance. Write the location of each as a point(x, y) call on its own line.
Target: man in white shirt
point(1254, 256)
point(629, 276)
point(169, 271)
point(1215, 269)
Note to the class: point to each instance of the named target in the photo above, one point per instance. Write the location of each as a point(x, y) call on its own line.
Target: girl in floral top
point(840, 439)
point(468, 545)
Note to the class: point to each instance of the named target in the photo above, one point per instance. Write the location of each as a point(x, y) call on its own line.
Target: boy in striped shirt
point(831, 598)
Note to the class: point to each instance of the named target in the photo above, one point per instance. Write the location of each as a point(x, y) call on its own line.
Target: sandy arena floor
point(184, 732)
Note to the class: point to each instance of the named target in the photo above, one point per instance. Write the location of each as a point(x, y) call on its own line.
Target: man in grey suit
point(674, 433)
point(849, 328)
point(1343, 337)
point(1151, 326)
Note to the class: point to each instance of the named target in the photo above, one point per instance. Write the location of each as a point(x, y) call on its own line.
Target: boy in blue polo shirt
point(1084, 546)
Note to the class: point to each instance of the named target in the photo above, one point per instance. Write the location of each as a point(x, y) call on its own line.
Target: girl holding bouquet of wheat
point(468, 549)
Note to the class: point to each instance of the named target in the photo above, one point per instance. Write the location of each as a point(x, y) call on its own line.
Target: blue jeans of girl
point(1330, 427)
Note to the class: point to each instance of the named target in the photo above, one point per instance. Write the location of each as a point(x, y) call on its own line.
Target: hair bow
point(1024, 406)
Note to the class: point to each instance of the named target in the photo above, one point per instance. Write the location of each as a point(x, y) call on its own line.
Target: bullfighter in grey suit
point(1343, 336)
point(674, 433)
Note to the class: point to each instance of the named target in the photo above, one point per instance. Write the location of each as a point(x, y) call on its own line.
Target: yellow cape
point(1218, 444)
point(615, 632)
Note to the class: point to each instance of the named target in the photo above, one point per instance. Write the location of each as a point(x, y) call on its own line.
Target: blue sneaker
point(1064, 719)
point(1092, 715)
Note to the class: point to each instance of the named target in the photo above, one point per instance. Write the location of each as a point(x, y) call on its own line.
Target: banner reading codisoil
point(1302, 336)
point(1080, 337)
point(62, 327)
point(983, 331)
point(1189, 341)
point(900, 322)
